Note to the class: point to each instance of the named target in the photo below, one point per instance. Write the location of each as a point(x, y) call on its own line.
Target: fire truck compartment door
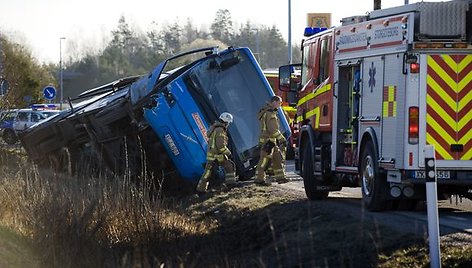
point(372, 94)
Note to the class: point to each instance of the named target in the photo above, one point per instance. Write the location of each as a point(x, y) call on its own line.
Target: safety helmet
point(226, 117)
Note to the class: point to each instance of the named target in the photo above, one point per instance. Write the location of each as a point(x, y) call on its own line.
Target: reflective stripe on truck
point(449, 106)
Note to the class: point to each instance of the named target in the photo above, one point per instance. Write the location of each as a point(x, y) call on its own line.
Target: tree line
point(132, 52)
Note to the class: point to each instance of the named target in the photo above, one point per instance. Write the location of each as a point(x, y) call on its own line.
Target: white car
point(20, 119)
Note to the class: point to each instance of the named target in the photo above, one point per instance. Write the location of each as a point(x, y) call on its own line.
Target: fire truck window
point(324, 60)
point(305, 66)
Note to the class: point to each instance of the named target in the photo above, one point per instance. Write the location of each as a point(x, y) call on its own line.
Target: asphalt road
point(455, 215)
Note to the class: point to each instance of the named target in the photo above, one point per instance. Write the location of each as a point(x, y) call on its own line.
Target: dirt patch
point(270, 226)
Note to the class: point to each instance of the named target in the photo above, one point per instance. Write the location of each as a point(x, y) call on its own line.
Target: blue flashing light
point(309, 31)
point(50, 106)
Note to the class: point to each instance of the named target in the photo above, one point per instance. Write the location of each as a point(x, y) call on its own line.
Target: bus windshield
point(234, 89)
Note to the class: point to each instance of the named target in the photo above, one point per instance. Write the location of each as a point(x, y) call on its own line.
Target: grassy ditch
point(66, 221)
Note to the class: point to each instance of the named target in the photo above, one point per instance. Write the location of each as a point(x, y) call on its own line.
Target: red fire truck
point(375, 92)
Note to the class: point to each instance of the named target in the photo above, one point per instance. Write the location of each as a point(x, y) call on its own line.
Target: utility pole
point(289, 32)
point(60, 71)
point(377, 4)
point(1, 58)
point(3, 81)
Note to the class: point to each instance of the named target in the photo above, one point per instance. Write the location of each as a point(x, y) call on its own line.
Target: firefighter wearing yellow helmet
point(272, 144)
point(218, 153)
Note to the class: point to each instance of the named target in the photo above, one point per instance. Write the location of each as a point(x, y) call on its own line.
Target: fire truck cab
point(375, 91)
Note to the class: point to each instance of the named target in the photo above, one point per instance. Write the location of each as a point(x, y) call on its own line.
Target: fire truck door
point(392, 101)
point(371, 97)
point(347, 114)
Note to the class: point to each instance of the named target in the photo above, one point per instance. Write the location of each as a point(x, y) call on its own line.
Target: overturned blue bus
point(159, 119)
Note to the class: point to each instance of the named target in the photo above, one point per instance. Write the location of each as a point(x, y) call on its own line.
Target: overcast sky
point(40, 23)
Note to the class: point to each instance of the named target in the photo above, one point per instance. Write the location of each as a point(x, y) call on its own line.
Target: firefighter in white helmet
point(218, 153)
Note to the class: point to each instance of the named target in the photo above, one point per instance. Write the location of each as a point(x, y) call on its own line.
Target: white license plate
point(440, 174)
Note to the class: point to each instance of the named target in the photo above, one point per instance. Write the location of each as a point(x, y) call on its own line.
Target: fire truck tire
point(9, 136)
point(309, 180)
point(374, 183)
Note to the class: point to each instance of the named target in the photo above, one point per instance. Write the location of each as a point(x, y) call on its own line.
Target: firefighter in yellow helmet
point(272, 143)
point(218, 153)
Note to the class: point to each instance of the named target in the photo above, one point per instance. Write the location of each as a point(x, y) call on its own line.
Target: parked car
point(17, 120)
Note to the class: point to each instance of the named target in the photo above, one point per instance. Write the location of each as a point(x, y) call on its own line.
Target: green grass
point(451, 256)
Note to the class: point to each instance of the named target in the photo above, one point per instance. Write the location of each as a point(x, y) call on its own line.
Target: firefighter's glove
point(268, 146)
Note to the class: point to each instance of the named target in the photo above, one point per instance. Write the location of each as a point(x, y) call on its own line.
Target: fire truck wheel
point(309, 180)
point(374, 184)
point(9, 136)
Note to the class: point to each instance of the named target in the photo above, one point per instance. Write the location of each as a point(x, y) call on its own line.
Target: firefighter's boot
point(230, 179)
point(202, 186)
point(261, 178)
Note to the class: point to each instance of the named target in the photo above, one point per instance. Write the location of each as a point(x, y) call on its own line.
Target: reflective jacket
point(269, 125)
point(218, 140)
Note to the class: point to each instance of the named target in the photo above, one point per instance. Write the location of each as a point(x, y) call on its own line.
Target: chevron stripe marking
point(438, 148)
point(465, 121)
point(451, 102)
point(464, 63)
point(436, 111)
point(464, 81)
point(466, 138)
point(443, 72)
point(463, 102)
point(438, 128)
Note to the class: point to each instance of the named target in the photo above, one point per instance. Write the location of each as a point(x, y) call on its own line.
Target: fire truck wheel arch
point(369, 135)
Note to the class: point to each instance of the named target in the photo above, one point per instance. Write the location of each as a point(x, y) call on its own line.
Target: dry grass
point(93, 222)
point(115, 222)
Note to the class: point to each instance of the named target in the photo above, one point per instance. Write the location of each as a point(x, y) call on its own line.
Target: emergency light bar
point(44, 106)
point(309, 31)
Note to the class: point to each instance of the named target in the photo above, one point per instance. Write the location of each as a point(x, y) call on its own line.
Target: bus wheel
point(374, 184)
point(309, 180)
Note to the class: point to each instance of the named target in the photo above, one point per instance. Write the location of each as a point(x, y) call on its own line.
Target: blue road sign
point(49, 92)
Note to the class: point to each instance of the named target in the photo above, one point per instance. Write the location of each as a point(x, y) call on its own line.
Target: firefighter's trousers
point(276, 159)
point(283, 151)
point(220, 160)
